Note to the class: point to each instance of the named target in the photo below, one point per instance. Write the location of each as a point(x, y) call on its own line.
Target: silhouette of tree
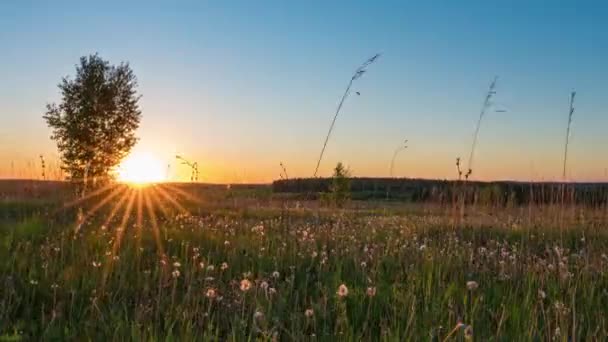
point(94, 124)
point(340, 185)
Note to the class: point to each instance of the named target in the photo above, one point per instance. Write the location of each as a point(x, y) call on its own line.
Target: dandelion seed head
point(210, 293)
point(542, 294)
point(245, 285)
point(258, 315)
point(472, 285)
point(342, 291)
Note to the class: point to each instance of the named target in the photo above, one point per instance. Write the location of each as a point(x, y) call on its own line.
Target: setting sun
point(141, 168)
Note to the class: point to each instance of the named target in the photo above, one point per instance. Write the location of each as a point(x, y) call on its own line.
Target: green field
point(178, 265)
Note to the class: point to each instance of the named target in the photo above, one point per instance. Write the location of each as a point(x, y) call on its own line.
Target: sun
point(141, 169)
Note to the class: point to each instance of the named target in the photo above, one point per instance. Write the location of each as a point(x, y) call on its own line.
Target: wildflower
point(224, 266)
point(363, 264)
point(371, 291)
point(210, 268)
point(175, 273)
point(422, 247)
point(342, 291)
point(272, 290)
point(264, 285)
point(177, 264)
point(54, 286)
point(542, 294)
point(96, 264)
point(560, 307)
point(558, 251)
point(226, 243)
point(245, 285)
point(276, 274)
point(210, 293)
point(201, 265)
point(309, 313)
point(472, 285)
point(34, 282)
point(258, 315)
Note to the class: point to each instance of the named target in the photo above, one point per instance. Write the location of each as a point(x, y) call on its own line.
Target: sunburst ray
point(171, 200)
point(90, 212)
point(154, 222)
point(90, 195)
point(155, 197)
point(120, 231)
point(188, 196)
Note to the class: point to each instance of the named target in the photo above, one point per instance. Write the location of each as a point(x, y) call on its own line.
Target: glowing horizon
point(141, 169)
point(240, 88)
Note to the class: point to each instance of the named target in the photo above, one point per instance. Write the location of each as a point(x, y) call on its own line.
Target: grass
point(409, 275)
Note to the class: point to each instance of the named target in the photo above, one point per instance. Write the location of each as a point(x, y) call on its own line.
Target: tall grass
point(258, 272)
point(362, 69)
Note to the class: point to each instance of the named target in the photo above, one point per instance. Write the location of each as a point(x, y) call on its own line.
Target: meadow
point(176, 263)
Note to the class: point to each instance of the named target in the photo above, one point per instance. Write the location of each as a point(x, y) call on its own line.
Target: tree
point(94, 124)
point(340, 185)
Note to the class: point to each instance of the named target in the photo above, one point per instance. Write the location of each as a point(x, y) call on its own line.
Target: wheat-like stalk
point(283, 172)
point(486, 104)
point(566, 145)
point(570, 114)
point(399, 148)
point(358, 73)
point(43, 165)
point(193, 167)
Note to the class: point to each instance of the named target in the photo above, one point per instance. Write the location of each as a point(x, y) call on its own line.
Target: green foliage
point(339, 190)
point(405, 269)
point(94, 124)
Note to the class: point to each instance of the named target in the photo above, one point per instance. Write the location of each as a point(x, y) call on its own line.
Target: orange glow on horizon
point(141, 169)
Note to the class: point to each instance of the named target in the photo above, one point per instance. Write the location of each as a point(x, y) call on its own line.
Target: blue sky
point(241, 86)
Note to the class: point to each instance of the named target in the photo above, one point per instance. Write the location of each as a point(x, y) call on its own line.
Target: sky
point(241, 86)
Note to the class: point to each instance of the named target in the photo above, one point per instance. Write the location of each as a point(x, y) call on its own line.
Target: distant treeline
point(421, 190)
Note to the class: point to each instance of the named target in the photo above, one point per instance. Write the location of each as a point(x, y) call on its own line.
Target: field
point(176, 263)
